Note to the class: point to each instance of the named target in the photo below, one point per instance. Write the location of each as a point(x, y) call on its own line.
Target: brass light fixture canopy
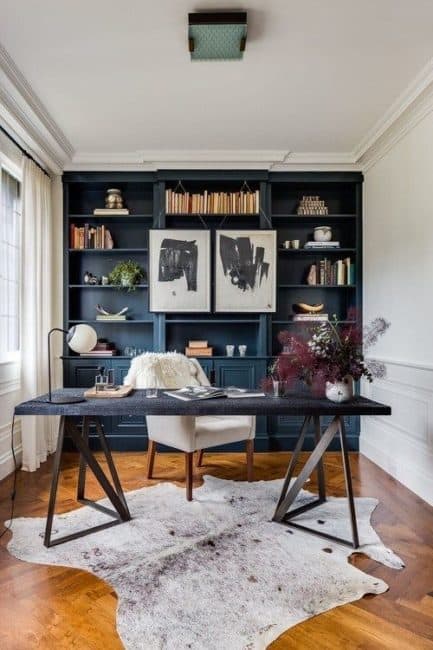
point(217, 36)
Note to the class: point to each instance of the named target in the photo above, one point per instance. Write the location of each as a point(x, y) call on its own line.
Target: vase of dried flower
point(340, 391)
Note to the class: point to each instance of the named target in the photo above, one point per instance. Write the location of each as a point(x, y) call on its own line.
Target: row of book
point(103, 348)
point(326, 272)
point(212, 202)
point(88, 236)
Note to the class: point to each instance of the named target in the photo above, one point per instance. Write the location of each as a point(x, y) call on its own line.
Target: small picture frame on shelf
point(179, 270)
point(245, 270)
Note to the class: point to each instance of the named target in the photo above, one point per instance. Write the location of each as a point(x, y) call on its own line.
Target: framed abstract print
point(245, 270)
point(179, 270)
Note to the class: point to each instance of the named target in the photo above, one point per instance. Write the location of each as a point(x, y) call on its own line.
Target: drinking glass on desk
point(151, 392)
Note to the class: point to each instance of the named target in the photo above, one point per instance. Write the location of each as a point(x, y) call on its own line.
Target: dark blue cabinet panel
point(127, 425)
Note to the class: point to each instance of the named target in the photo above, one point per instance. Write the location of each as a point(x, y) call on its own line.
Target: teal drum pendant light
point(217, 36)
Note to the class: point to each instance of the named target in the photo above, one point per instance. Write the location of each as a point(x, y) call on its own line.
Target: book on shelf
point(322, 244)
point(90, 237)
point(111, 317)
point(198, 352)
point(339, 273)
point(197, 344)
point(110, 211)
point(306, 318)
point(212, 202)
point(99, 353)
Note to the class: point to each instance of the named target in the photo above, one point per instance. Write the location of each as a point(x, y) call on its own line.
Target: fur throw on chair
point(165, 370)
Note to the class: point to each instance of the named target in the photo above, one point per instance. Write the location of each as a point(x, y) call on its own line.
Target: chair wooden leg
point(151, 450)
point(250, 460)
point(199, 461)
point(189, 456)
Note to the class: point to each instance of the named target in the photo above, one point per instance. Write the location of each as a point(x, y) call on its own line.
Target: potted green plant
point(126, 275)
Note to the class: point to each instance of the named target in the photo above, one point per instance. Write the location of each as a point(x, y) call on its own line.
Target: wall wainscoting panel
point(6, 459)
point(402, 444)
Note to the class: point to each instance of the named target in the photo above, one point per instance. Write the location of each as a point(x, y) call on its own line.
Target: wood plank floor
point(52, 607)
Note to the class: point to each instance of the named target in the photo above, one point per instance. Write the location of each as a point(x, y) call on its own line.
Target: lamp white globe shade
point(81, 338)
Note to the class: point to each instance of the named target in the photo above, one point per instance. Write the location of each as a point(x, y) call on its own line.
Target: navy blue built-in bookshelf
point(144, 195)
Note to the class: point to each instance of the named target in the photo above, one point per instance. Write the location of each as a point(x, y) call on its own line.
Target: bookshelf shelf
point(104, 286)
point(144, 193)
point(106, 251)
point(315, 251)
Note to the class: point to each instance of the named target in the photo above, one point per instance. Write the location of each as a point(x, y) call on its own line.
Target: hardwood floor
point(53, 607)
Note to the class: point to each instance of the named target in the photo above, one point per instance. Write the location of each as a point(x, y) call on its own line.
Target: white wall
point(398, 284)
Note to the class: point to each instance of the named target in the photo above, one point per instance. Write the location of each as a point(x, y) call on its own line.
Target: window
point(10, 245)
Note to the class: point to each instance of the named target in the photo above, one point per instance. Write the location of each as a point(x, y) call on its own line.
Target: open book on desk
point(190, 393)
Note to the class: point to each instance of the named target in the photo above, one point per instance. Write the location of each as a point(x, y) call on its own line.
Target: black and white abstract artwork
point(245, 270)
point(179, 270)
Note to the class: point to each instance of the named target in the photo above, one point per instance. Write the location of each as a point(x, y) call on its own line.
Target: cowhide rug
point(215, 573)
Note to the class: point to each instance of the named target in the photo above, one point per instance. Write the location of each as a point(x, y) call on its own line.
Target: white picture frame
point(245, 271)
point(179, 270)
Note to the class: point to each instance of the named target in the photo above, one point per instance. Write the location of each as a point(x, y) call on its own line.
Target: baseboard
point(6, 458)
point(402, 444)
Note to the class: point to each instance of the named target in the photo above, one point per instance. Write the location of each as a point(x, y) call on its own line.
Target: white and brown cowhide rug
point(216, 572)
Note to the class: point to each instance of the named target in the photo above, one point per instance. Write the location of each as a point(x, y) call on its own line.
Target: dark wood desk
point(136, 403)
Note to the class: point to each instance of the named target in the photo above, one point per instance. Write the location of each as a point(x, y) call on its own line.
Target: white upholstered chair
point(188, 433)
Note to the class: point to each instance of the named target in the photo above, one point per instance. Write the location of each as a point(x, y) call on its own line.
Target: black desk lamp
point(80, 338)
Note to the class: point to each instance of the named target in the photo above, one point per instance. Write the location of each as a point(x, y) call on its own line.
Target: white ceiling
point(316, 75)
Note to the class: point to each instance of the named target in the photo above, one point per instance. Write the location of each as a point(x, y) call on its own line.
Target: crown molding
point(27, 117)
point(403, 115)
point(275, 160)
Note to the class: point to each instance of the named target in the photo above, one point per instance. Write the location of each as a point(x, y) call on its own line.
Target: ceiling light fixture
point(214, 36)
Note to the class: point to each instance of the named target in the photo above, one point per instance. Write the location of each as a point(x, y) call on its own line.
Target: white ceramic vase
point(340, 391)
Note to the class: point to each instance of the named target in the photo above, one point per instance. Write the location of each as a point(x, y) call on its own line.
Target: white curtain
point(39, 434)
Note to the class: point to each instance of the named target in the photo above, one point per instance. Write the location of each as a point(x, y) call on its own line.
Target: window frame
point(13, 358)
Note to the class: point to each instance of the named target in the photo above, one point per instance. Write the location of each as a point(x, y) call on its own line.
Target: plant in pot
point(126, 275)
point(332, 358)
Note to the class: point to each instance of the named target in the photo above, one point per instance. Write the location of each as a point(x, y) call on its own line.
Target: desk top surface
point(138, 404)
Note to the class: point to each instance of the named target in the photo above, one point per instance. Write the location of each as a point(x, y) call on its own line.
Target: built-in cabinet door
point(207, 365)
point(243, 374)
point(127, 425)
point(81, 373)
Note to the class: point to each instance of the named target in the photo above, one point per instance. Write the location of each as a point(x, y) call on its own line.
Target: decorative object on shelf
point(305, 308)
point(242, 350)
point(245, 270)
point(322, 234)
point(295, 243)
point(126, 275)
point(287, 244)
point(105, 280)
point(312, 205)
point(92, 279)
point(332, 358)
point(230, 350)
point(113, 199)
point(179, 270)
point(104, 314)
point(80, 338)
point(312, 275)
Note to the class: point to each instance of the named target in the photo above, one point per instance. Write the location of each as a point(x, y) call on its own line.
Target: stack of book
point(103, 348)
point(212, 202)
point(110, 212)
point(322, 244)
point(310, 318)
point(111, 317)
point(198, 349)
point(312, 205)
point(327, 273)
point(87, 236)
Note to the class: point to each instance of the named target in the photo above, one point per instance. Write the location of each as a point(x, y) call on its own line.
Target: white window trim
point(12, 360)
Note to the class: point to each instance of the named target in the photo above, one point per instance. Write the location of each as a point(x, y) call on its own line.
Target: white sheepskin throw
point(214, 573)
point(165, 370)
